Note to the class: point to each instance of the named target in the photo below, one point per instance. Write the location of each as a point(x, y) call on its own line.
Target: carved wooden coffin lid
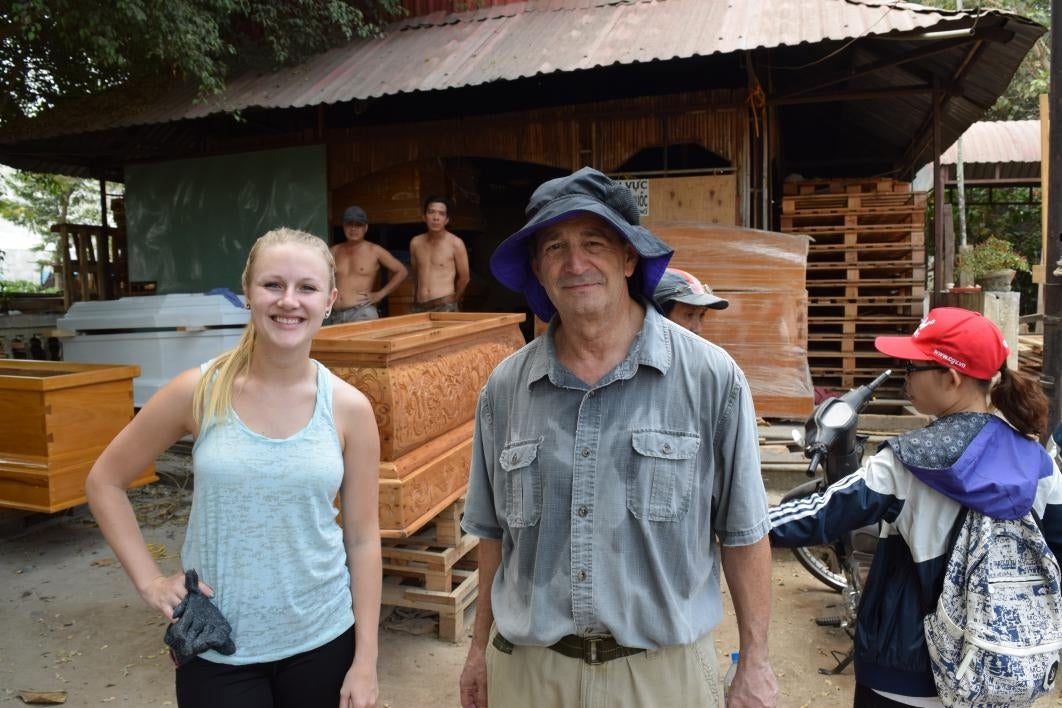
point(392, 338)
point(422, 373)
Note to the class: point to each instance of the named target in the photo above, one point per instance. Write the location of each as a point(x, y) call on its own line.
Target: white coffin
point(162, 334)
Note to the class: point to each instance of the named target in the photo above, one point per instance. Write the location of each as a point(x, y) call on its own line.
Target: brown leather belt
point(592, 650)
point(439, 301)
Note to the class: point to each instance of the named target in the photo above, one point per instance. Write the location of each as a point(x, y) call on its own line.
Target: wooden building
point(729, 102)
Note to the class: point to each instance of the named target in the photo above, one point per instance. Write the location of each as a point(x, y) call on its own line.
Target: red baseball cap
point(959, 339)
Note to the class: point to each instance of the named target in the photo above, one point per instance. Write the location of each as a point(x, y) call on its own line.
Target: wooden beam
point(924, 133)
point(912, 90)
point(875, 66)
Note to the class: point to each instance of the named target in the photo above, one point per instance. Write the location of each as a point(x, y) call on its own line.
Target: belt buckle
point(590, 652)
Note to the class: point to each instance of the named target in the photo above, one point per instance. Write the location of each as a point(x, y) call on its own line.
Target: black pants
point(308, 680)
point(867, 698)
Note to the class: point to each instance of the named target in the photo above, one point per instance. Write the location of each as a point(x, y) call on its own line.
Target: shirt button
point(583, 511)
point(515, 458)
point(586, 452)
point(666, 448)
point(582, 575)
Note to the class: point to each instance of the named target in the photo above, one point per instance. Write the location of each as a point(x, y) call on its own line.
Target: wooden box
point(420, 484)
point(423, 374)
point(55, 420)
point(765, 329)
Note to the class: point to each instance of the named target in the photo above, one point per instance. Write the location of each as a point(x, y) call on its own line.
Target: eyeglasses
point(910, 368)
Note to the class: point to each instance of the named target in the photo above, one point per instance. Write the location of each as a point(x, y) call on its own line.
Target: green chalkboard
point(192, 222)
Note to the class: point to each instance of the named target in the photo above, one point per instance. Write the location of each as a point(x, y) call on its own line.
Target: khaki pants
point(671, 677)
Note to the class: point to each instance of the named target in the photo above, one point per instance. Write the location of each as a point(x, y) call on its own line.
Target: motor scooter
point(835, 450)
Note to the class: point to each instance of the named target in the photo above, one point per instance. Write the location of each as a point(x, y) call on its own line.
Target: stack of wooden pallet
point(434, 570)
point(866, 270)
point(1031, 354)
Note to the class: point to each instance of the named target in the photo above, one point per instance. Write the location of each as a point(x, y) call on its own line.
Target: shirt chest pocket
point(660, 478)
point(523, 483)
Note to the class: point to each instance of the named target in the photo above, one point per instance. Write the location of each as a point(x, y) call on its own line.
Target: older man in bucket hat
point(613, 456)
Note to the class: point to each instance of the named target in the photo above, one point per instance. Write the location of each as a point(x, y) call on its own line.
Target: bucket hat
point(959, 339)
point(355, 215)
point(584, 192)
point(679, 286)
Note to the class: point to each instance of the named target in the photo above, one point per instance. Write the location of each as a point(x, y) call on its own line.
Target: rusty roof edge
point(204, 107)
point(494, 12)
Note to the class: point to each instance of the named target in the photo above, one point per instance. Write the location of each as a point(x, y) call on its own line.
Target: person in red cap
point(980, 452)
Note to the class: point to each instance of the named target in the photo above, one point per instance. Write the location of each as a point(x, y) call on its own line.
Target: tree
point(1021, 101)
point(37, 201)
point(64, 48)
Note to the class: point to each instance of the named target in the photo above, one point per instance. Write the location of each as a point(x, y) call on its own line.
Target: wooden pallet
point(865, 270)
point(845, 186)
point(906, 235)
point(1031, 353)
point(434, 570)
point(840, 380)
point(834, 203)
point(905, 250)
point(910, 217)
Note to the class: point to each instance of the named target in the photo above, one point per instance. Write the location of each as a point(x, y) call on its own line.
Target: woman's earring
point(328, 313)
point(247, 306)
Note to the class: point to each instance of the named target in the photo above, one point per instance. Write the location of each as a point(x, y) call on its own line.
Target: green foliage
point(23, 286)
point(992, 254)
point(1021, 101)
point(56, 48)
point(37, 201)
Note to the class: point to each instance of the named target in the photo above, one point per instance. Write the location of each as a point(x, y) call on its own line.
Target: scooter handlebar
point(858, 397)
point(816, 459)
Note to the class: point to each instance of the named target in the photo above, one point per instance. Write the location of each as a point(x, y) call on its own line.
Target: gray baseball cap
point(679, 286)
point(355, 215)
point(584, 192)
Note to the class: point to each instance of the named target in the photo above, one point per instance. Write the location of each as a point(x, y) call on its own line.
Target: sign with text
point(640, 188)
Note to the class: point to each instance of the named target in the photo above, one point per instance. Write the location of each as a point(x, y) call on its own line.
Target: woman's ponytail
point(1020, 399)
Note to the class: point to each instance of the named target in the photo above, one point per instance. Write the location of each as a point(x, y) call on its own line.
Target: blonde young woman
point(276, 437)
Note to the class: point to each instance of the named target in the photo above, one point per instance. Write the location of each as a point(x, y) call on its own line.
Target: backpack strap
point(956, 527)
point(953, 534)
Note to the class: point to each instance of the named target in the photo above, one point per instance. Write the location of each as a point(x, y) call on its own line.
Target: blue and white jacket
point(914, 487)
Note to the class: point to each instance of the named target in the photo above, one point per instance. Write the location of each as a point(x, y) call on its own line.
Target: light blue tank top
point(263, 534)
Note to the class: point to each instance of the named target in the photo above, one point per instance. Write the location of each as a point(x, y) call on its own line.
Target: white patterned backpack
point(995, 636)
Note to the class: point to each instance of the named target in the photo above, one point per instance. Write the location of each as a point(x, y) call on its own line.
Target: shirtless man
point(440, 261)
point(357, 264)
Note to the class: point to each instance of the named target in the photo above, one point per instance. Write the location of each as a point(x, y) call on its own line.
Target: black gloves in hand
point(199, 626)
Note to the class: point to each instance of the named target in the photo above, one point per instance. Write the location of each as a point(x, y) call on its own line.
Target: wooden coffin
point(422, 372)
point(765, 329)
point(55, 420)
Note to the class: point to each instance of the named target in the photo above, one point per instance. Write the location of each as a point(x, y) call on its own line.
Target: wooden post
point(1052, 362)
point(82, 262)
point(64, 260)
point(938, 207)
point(948, 218)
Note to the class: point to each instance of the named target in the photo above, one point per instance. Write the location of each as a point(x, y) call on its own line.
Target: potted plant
point(993, 263)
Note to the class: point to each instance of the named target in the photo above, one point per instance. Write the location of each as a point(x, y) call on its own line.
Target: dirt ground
point(70, 621)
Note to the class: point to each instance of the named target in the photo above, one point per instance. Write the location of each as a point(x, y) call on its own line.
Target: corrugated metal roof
point(998, 141)
point(442, 51)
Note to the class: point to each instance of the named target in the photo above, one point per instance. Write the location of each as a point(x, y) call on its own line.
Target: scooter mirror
point(838, 415)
